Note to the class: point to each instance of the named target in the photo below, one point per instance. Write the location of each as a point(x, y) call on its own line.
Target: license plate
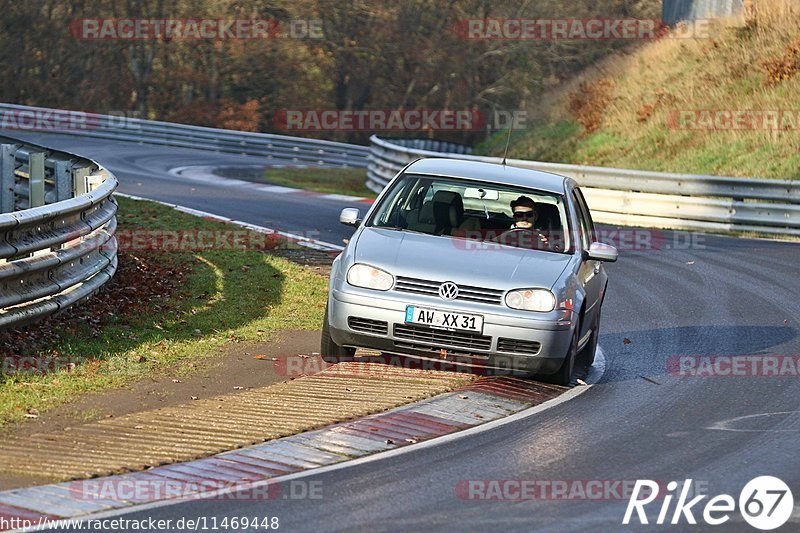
point(443, 319)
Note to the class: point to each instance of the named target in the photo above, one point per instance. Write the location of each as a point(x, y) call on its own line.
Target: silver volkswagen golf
point(486, 265)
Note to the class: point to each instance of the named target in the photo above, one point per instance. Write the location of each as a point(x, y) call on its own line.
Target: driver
point(524, 210)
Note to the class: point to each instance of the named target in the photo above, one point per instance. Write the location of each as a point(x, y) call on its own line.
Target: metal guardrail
point(57, 227)
point(269, 146)
point(640, 198)
point(674, 11)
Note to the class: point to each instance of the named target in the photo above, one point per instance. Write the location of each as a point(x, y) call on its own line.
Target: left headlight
point(541, 300)
point(369, 277)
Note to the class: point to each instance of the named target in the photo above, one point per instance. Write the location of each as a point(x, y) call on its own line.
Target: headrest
point(448, 209)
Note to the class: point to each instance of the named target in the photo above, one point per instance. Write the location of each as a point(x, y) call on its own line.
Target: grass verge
point(349, 181)
point(630, 111)
point(135, 328)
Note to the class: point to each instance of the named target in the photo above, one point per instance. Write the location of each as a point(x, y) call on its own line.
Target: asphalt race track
point(716, 297)
point(142, 170)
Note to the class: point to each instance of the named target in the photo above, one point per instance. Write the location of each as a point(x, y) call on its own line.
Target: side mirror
point(603, 252)
point(349, 217)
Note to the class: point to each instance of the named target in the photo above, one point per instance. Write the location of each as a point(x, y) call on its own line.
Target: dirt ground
point(237, 366)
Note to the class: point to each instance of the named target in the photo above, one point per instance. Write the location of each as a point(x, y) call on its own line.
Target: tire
point(588, 352)
point(563, 375)
point(331, 352)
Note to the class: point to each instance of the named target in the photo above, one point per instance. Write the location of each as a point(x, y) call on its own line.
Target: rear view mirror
point(483, 194)
point(349, 217)
point(603, 252)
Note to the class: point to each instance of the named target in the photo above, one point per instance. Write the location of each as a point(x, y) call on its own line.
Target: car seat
point(448, 211)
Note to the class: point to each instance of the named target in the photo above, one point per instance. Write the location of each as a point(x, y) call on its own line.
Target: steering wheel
point(533, 238)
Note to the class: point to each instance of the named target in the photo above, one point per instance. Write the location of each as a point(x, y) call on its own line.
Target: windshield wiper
point(403, 230)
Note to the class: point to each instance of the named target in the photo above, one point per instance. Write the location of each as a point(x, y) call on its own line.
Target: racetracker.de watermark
point(394, 365)
point(35, 364)
point(732, 366)
point(35, 119)
point(572, 29)
point(194, 240)
point(734, 119)
point(517, 490)
point(134, 240)
point(154, 488)
point(379, 120)
point(167, 29)
point(623, 239)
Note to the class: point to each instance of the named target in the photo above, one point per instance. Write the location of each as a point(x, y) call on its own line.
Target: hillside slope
point(668, 105)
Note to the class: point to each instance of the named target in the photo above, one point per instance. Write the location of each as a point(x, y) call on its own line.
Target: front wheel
point(563, 375)
point(331, 352)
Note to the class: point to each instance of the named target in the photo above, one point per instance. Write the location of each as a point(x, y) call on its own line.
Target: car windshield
point(475, 210)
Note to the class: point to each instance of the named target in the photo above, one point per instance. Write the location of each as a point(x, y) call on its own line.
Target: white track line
point(298, 239)
point(205, 174)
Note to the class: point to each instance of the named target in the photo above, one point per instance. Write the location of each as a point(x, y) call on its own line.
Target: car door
point(591, 273)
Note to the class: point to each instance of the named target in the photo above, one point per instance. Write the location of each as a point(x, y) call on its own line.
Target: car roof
point(490, 172)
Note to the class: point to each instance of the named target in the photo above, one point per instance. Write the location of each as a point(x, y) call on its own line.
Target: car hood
point(462, 261)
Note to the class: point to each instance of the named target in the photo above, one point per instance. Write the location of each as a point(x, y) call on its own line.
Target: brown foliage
point(784, 67)
point(242, 117)
point(142, 283)
point(199, 113)
point(372, 55)
point(589, 102)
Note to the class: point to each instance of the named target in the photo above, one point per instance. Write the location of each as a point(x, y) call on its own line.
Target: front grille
point(454, 352)
point(466, 293)
point(518, 346)
point(439, 337)
point(365, 325)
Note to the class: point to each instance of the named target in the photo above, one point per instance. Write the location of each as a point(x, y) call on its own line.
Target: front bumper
point(491, 349)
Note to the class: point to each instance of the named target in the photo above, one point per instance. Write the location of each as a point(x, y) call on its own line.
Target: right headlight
point(369, 277)
point(541, 300)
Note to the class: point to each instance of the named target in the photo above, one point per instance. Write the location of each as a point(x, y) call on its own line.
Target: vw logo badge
point(448, 291)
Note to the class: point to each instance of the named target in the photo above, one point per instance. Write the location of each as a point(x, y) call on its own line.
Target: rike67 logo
point(765, 503)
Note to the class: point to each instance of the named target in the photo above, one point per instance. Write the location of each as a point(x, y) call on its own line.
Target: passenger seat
point(448, 211)
point(422, 220)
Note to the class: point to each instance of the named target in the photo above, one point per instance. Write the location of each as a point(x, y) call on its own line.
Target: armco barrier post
point(36, 179)
point(6, 178)
point(79, 180)
point(62, 175)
